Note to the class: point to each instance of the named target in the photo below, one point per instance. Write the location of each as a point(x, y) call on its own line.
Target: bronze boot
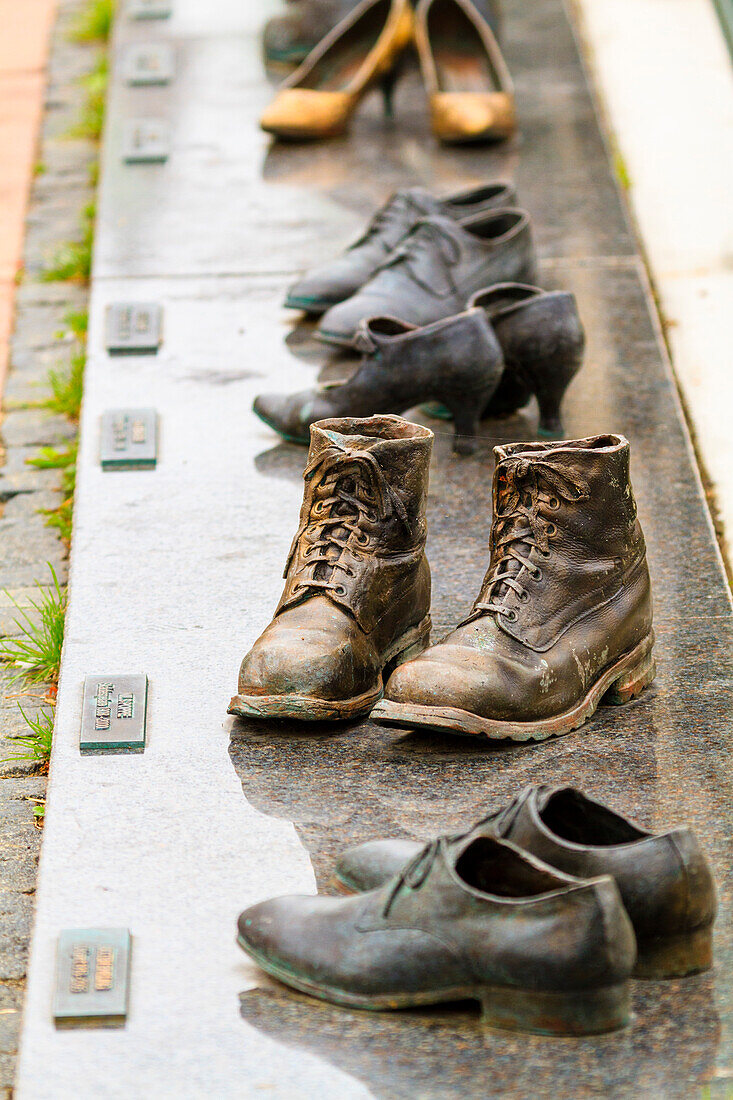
point(357, 588)
point(564, 616)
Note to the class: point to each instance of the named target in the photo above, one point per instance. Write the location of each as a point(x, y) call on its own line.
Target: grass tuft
point(36, 654)
point(91, 120)
point(67, 387)
point(35, 745)
point(94, 22)
point(72, 261)
point(52, 458)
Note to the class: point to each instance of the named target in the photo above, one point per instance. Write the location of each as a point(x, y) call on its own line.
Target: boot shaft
point(565, 537)
point(364, 501)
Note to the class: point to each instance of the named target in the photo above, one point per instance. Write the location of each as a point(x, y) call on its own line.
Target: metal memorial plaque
point(149, 9)
point(114, 713)
point(134, 328)
point(129, 439)
point(92, 977)
point(153, 63)
point(146, 141)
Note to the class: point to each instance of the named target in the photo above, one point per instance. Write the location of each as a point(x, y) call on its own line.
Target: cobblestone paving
point(60, 192)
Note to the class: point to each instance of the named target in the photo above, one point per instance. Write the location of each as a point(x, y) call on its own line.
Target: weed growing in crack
point(90, 123)
point(72, 261)
point(35, 745)
point(36, 654)
point(94, 22)
point(67, 387)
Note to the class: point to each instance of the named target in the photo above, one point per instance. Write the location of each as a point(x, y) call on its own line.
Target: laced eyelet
point(537, 574)
point(554, 503)
point(550, 531)
point(545, 553)
point(510, 614)
point(524, 596)
point(340, 590)
point(362, 539)
point(317, 508)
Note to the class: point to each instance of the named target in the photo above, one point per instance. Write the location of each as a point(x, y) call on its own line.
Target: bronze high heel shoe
point(362, 50)
point(469, 88)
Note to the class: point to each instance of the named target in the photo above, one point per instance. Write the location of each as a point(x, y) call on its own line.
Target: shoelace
point(428, 240)
point(519, 526)
point(355, 483)
point(417, 871)
point(392, 216)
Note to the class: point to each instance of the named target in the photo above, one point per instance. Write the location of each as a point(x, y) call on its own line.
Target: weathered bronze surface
point(541, 951)
point(92, 978)
point(129, 439)
point(357, 582)
point(564, 615)
point(146, 141)
point(114, 714)
point(134, 328)
point(150, 63)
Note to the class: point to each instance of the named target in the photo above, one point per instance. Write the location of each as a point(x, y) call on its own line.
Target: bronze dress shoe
point(540, 950)
point(470, 92)
point(334, 281)
point(564, 616)
point(319, 98)
point(435, 269)
point(357, 582)
point(664, 879)
point(458, 361)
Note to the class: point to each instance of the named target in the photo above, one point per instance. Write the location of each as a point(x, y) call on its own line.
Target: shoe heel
point(549, 384)
point(411, 644)
point(632, 682)
point(575, 1012)
point(675, 956)
point(466, 428)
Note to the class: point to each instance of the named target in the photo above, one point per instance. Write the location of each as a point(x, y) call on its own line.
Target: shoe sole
point(626, 679)
point(334, 338)
point(309, 708)
point(313, 306)
point(301, 440)
point(573, 1012)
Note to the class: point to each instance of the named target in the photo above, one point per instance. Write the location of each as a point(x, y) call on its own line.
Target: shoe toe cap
point(370, 865)
point(290, 414)
point(450, 676)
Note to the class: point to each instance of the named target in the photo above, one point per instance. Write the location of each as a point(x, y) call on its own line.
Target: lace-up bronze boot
point(564, 616)
point(357, 582)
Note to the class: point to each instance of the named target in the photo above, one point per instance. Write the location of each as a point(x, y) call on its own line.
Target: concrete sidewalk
point(175, 572)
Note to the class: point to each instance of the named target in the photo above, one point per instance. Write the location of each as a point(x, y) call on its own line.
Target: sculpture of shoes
point(335, 280)
point(470, 91)
point(664, 879)
point(357, 581)
point(540, 950)
point(288, 39)
point(564, 616)
point(542, 341)
point(457, 361)
point(435, 269)
point(318, 99)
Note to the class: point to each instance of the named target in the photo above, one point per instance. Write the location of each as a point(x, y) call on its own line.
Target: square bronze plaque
point(149, 9)
point(114, 714)
point(151, 63)
point(92, 977)
point(129, 439)
point(134, 328)
point(145, 141)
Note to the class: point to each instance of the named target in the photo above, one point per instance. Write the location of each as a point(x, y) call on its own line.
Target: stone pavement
point(27, 545)
point(176, 571)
